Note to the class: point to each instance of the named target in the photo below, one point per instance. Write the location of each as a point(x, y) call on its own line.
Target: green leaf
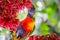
point(44, 29)
point(22, 14)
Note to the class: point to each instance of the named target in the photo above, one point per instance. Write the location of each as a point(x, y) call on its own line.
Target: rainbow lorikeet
point(26, 27)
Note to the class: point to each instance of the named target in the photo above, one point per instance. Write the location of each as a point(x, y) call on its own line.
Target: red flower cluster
point(46, 37)
point(8, 11)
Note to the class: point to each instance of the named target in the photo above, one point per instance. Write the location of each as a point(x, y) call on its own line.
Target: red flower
point(45, 37)
point(8, 11)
